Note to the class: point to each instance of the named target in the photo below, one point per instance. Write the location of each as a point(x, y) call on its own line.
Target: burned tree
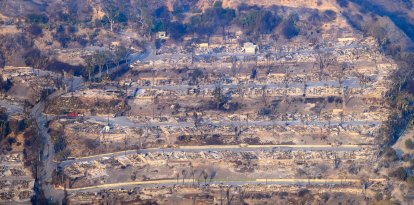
point(219, 98)
point(286, 79)
point(35, 59)
point(324, 60)
point(234, 68)
point(2, 60)
point(121, 53)
point(90, 66)
point(340, 74)
point(100, 59)
point(264, 94)
point(115, 12)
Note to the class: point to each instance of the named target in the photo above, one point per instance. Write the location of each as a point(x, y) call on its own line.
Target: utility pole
point(125, 144)
point(247, 121)
point(221, 195)
point(153, 107)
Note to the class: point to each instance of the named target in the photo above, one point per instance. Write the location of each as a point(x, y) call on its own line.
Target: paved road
point(241, 55)
point(16, 178)
point(148, 55)
point(350, 83)
point(145, 55)
point(11, 107)
point(73, 84)
point(234, 182)
point(125, 122)
point(28, 202)
point(48, 165)
point(48, 154)
point(214, 148)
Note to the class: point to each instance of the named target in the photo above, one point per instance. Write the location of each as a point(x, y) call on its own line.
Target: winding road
point(37, 114)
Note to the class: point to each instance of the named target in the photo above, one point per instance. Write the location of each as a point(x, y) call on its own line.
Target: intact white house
point(250, 48)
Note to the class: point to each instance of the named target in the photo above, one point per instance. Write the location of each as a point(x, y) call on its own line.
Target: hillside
point(207, 102)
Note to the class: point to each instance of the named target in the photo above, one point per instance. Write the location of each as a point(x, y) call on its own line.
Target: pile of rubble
point(16, 181)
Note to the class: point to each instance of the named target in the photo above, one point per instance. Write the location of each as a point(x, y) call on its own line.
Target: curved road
point(48, 164)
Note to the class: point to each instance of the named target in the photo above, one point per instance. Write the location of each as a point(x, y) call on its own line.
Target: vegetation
point(90, 66)
point(401, 98)
point(115, 13)
point(378, 196)
point(162, 21)
point(35, 30)
point(219, 97)
point(409, 144)
point(12, 48)
point(120, 54)
point(5, 85)
point(401, 95)
point(390, 154)
point(2, 60)
point(59, 143)
point(256, 22)
point(289, 28)
point(211, 20)
point(196, 76)
point(91, 143)
point(32, 146)
point(253, 21)
point(38, 18)
point(35, 59)
point(399, 19)
point(399, 173)
point(320, 17)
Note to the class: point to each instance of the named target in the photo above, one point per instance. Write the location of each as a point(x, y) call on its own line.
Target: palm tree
point(178, 176)
point(218, 96)
point(202, 173)
point(3, 126)
point(183, 172)
point(229, 199)
point(264, 94)
point(193, 171)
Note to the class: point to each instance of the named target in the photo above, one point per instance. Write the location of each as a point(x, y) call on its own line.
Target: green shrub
point(378, 196)
point(59, 143)
point(38, 18)
point(289, 28)
point(399, 173)
point(390, 154)
point(409, 144)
